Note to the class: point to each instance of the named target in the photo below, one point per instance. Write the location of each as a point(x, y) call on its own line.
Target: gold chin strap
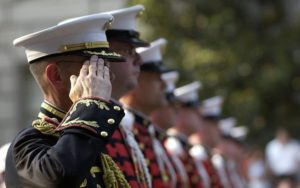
point(82, 46)
point(103, 53)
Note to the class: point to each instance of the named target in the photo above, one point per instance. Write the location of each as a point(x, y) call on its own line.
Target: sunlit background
point(246, 51)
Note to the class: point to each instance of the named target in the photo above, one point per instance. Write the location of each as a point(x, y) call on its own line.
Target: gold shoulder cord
point(112, 175)
point(45, 127)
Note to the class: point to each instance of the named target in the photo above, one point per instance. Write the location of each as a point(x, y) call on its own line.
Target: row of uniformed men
point(165, 139)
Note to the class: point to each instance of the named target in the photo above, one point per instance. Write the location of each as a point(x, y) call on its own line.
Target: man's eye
point(130, 52)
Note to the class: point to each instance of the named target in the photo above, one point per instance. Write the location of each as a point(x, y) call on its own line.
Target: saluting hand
point(93, 81)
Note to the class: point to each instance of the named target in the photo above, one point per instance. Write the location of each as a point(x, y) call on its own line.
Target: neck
point(115, 96)
point(140, 108)
point(56, 101)
point(130, 101)
point(195, 139)
point(117, 93)
point(161, 124)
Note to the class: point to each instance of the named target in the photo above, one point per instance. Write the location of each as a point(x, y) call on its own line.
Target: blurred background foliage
point(246, 51)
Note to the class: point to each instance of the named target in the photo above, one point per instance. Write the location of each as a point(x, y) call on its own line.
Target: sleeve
point(45, 161)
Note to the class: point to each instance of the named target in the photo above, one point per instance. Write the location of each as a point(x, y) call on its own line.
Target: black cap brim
point(105, 53)
point(157, 67)
point(126, 36)
point(191, 104)
point(211, 117)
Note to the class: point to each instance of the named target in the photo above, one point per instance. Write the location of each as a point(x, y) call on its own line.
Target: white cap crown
point(226, 125)
point(188, 93)
point(240, 132)
point(170, 78)
point(71, 35)
point(125, 19)
point(153, 52)
point(212, 106)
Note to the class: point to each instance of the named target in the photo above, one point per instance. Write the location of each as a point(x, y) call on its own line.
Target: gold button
point(104, 133)
point(110, 121)
point(142, 146)
point(165, 177)
point(135, 131)
point(147, 162)
point(117, 108)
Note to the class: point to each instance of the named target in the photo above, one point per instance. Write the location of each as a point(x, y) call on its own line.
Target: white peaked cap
point(226, 125)
point(125, 19)
point(240, 132)
point(170, 78)
point(83, 33)
point(153, 52)
point(188, 93)
point(212, 106)
point(3, 152)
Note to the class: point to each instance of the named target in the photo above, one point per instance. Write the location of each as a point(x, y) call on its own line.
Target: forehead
point(67, 58)
point(120, 45)
point(150, 75)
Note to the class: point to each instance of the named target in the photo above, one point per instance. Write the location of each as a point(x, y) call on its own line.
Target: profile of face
point(232, 149)
point(69, 65)
point(53, 76)
point(125, 74)
point(212, 135)
point(190, 120)
point(151, 89)
point(165, 116)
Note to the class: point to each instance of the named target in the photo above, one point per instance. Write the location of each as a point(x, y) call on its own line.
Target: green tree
point(246, 51)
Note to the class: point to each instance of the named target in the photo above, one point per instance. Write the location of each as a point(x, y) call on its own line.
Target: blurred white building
point(19, 96)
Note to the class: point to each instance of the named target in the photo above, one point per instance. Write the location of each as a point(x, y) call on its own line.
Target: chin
point(131, 85)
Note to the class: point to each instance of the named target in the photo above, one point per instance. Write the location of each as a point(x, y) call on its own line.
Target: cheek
point(129, 61)
point(159, 92)
point(119, 71)
point(126, 69)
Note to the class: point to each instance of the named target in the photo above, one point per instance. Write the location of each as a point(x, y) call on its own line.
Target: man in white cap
point(211, 109)
point(211, 113)
point(63, 148)
point(166, 118)
point(224, 155)
point(237, 155)
point(149, 95)
point(123, 38)
point(188, 123)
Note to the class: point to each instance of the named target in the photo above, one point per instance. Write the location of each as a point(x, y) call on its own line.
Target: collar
point(140, 118)
point(50, 111)
point(117, 102)
point(181, 137)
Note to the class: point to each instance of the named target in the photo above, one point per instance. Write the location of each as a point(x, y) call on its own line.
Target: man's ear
point(53, 76)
